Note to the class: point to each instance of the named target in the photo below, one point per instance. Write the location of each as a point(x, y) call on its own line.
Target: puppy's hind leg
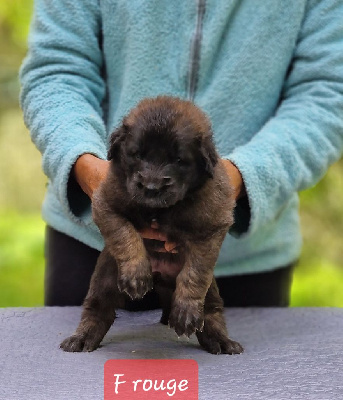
point(99, 306)
point(214, 337)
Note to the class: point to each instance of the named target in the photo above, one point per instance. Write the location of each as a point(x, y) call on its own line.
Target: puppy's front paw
point(187, 317)
point(230, 346)
point(214, 338)
point(218, 343)
point(76, 343)
point(135, 279)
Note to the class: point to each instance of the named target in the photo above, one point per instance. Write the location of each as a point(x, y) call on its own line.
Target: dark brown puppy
point(164, 168)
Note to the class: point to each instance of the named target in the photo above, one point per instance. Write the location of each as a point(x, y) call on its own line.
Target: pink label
point(151, 379)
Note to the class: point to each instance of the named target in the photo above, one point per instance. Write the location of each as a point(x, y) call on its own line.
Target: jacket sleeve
point(62, 87)
point(294, 149)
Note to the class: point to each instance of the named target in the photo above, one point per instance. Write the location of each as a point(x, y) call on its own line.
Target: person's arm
point(62, 89)
point(294, 149)
point(235, 178)
point(89, 171)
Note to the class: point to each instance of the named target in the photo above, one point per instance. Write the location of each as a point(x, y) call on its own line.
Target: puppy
point(164, 168)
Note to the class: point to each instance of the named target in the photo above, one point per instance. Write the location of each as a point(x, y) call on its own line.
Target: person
point(270, 77)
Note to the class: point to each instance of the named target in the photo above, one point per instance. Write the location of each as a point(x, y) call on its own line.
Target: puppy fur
point(164, 168)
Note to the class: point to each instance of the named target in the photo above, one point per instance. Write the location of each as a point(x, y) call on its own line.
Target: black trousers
point(70, 264)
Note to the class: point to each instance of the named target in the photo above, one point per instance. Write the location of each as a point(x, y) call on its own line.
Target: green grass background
point(318, 279)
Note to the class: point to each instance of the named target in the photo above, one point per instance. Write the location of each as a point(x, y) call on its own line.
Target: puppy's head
point(164, 150)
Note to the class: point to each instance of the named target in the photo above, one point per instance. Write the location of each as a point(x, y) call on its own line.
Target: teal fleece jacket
point(268, 73)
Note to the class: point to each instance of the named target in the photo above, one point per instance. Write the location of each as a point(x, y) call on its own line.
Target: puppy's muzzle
point(153, 185)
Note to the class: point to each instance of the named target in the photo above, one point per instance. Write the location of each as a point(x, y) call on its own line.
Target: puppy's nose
point(153, 188)
point(155, 184)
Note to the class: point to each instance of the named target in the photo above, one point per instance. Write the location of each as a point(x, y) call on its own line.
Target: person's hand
point(153, 233)
point(236, 179)
point(89, 171)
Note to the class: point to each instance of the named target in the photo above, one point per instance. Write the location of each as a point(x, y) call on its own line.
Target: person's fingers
point(153, 233)
point(150, 233)
point(170, 247)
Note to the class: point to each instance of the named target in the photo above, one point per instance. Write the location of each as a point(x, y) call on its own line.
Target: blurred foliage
point(14, 22)
point(22, 182)
point(317, 285)
point(322, 219)
point(318, 278)
point(22, 259)
point(14, 26)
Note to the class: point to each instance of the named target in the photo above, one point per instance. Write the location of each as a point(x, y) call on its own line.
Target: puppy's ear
point(116, 139)
point(209, 154)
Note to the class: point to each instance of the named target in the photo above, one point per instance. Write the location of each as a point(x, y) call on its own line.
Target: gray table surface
point(289, 354)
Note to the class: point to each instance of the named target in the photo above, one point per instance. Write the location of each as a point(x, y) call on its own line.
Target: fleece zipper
point(194, 61)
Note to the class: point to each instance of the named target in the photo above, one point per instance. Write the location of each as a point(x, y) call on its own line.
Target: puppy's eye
point(182, 162)
point(135, 154)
